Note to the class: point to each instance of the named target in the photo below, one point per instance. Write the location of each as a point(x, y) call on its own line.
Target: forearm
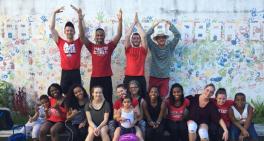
point(141, 30)
point(103, 123)
point(249, 118)
point(81, 27)
point(162, 112)
point(148, 117)
point(92, 124)
point(47, 115)
point(150, 32)
point(53, 20)
point(223, 125)
point(70, 116)
point(119, 29)
point(175, 32)
point(145, 110)
point(129, 32)
point(238, 125)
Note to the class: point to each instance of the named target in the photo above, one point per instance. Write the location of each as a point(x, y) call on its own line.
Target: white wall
point(222, 41)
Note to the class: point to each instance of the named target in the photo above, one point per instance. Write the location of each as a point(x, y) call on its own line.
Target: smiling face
point(121, 92)
point(133, 89)
point(209, 91)
point(161, 40)
point(240, 101)
point(177, 93)
point(54, 92)
point(135, 40)
point(99, 37)
point(153, 93)
point(97, 93)
point(69, 32)
point(78, 93)
point(221, 99)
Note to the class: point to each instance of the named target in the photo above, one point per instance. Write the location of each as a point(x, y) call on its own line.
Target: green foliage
point(259, 111)
point(6, 94)
point(19, 118)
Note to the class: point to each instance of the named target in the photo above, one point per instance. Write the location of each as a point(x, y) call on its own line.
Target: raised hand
point(59, 10)
point(78, 10)
point(136, 18)
point(168, 23)
point(119, 15)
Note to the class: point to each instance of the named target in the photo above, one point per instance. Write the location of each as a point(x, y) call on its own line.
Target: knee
point(203, 133)
point(53, 131)
point(43, 130)
point(104, 131)
point(192, 126)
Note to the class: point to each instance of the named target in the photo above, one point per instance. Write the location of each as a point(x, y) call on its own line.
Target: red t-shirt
point(223, 110)
point(176, 113)
point(101, 59)
point(135, 61)
point(118, 103)
point(54, 115)
point(70, 53)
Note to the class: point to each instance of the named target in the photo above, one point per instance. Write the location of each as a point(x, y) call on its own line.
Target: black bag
point(6, 122)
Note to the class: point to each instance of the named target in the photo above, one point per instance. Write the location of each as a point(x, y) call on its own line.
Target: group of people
point(144, 113)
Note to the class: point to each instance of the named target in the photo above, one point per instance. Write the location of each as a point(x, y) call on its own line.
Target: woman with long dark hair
point(76, 100)
point(56, 114)
point(176, 106)
point(154, 110)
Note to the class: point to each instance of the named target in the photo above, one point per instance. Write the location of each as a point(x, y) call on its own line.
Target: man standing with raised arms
point(136, 52)
point(70, 51)
point(101, 58)
point(161, 54)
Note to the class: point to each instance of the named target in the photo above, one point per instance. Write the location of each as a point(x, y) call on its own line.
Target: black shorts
point(127, 130)
point(68, 78)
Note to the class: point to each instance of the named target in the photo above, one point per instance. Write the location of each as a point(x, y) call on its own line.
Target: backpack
point(128, 137)
point(18, 136)
point(6, 122)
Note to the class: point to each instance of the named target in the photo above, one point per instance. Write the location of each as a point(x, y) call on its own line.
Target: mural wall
point(222, 41)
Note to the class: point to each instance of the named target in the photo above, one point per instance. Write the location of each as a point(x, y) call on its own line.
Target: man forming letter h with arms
point(70, 51)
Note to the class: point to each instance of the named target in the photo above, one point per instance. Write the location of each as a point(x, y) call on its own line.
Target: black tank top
point(154, 111)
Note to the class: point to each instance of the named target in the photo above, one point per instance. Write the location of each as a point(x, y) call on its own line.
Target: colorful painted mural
point(224, 48)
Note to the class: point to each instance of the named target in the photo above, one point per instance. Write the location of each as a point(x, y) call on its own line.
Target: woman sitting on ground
point(97, 113)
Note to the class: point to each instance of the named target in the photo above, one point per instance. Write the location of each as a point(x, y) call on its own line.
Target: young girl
point(77, 97)
point(97, 113)
point(56, 114)
point(241, 115)
point(121, 92)
point(127, 116)
point(223, 106)
point(176, 106)
point(34, 123)
point(154, 109)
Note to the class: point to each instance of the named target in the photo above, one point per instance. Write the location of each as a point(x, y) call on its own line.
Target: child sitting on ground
point(241, 115)
point(33, 125)
point(128, 117)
